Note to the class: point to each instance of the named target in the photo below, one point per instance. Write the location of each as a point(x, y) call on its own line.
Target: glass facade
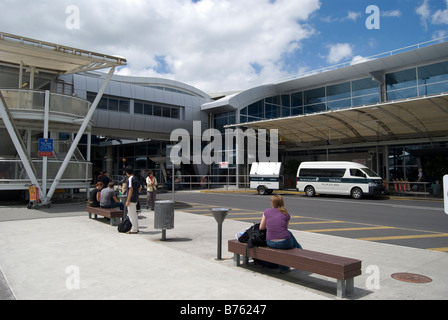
point(339, 96)
point(417, 82)
point(112, 103)
point(410, 83)
point(150, 109)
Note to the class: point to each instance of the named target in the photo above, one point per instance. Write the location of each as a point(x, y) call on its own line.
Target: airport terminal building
point(389, 112)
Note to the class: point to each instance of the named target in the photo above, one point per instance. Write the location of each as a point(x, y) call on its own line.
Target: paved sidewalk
point(44, 253)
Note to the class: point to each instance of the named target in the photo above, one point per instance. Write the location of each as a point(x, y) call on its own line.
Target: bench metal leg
point(341, 288)
point(350, 286)
point(236, 260)
point(345, 287)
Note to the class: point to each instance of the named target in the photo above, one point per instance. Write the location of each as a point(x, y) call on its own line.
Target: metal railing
point(210, 182)
point(362, 59)
point(13, 172)
point(403, 187)
point(35, 101)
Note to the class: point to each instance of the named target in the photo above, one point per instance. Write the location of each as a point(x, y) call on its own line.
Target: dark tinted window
point(322, 173)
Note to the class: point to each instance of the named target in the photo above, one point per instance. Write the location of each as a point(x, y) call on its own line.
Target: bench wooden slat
point(111, 213)
point(341, 268)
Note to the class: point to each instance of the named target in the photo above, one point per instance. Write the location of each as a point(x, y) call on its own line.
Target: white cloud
point(391, 13)
point(338, 52)
point(353, 15)
point(424, 11)
point(358, 59)
point(211, 44)
point(440, 17)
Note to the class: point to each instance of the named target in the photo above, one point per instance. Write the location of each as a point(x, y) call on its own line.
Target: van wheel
point(310, 192)
point(261, 190)
point(357, 193)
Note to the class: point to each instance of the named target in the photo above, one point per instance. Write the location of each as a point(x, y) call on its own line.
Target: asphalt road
point(412, 223)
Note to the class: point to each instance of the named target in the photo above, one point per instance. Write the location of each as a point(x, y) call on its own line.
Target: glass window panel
point(433, 73)
point(91, 96)
point(175, 113)
point(402, 94)
point(273, 100)
point(157, 111)
point(286, 112)
point(364, 86)
point(315, 108)
point(128, 151)
point(252, 119)
point(232, 117)
point(148, 109)
point(297, 111)
point(434, 89)
point(256, 109)
point(138, 108)
point(340, 104)
point(220, 123)
point(314, 96)
point(166, 112)
point(339, 91)
point(401, 79)
point(271, 111)
point(112, 104)
point(286, 100)
point(297, 99)
point(141, 149)
point(124, 106)
point(366, 100)
point(103, 104)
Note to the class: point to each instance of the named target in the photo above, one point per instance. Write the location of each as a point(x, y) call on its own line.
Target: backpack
point(125, 225)
point(254, 237)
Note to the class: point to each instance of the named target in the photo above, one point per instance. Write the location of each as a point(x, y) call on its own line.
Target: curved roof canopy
point(16, 50)
point(424, 117)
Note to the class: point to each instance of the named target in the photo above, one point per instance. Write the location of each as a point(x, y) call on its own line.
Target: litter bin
point(220, 215)
point(164, 216)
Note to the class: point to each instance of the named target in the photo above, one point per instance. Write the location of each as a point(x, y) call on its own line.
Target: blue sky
point(225, 45)
point(344, 22)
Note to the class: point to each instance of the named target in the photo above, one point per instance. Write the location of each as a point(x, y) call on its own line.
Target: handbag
point(125, 225)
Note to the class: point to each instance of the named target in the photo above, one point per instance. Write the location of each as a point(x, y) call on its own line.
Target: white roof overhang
point(425, 117)
point(45, 56)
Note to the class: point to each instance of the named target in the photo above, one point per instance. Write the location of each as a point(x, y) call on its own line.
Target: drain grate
point(411, 278)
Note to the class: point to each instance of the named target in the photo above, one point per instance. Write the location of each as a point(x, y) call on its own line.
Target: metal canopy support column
point(45, 159)
point(80, 134)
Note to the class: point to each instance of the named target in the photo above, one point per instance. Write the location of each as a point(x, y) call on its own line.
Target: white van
point(266, 177)
point(343, 178)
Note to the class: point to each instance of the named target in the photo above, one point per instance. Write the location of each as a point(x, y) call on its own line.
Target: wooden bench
point(111, 213)
point(341, 268)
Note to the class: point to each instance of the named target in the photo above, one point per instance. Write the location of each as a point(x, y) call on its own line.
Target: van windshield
point(370, 173)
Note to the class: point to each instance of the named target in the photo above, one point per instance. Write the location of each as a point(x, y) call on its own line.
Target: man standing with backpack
point(133, 187)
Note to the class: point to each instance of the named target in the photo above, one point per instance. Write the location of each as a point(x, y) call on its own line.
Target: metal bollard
point(220, 215)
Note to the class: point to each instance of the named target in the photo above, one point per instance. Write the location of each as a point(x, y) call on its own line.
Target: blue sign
point(45, 147)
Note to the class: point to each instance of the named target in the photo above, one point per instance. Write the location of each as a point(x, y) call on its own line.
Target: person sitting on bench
point(95, 195)
point(275, 221)
point(108, 199)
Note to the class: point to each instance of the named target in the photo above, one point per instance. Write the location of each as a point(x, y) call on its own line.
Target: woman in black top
point(95, 195)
